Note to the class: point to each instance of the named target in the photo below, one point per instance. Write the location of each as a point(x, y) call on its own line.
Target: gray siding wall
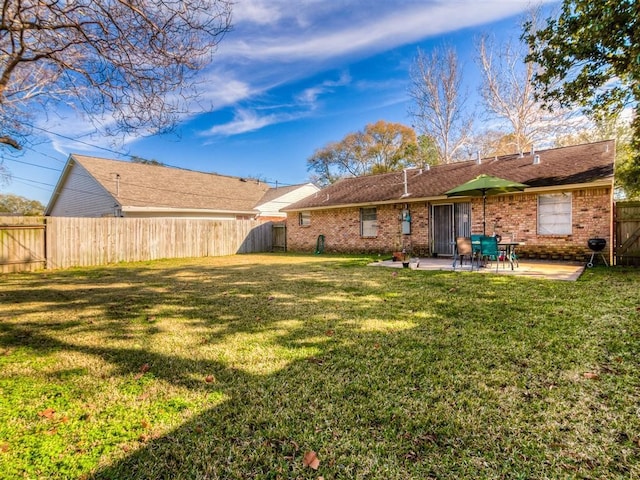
point(82, 196)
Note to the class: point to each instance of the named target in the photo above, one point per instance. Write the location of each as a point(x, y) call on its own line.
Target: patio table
point(510, 251)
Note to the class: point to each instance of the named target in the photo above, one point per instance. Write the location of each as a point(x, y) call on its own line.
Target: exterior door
point(449, 220)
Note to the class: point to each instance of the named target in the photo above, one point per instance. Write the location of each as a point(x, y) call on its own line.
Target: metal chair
point(489, 250)
point(477, 248)
point(463, 248)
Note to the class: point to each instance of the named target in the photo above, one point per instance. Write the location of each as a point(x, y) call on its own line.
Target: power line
point(273, 182)
point(82, 142)
point(33, 164)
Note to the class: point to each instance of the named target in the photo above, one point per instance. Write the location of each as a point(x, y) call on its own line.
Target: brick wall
point(508, 215)
point(341, 229)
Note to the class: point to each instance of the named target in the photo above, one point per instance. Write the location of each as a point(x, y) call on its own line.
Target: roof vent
point(536, 159)
point(478, 158)
point(406, 185)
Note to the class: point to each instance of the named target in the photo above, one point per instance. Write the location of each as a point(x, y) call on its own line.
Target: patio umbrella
point(485, 185)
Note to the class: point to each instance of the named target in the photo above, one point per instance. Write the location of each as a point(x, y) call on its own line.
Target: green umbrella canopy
point(482, 186)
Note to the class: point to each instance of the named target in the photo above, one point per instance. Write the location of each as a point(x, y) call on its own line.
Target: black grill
point(596, 245)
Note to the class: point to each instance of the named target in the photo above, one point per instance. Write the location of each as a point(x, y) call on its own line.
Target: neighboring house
point(98, 187)
point(275, 199)
point(569, 200)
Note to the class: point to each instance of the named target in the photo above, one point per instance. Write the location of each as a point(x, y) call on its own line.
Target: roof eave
point(608, 182)
point(136, 209)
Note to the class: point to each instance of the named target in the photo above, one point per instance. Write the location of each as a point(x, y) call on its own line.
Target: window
point(304, 219)
point(554, 214)
point(368, 222)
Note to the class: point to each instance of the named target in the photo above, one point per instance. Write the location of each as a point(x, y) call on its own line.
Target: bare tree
point(508, 94)
point(439, 104)
point(128, 64)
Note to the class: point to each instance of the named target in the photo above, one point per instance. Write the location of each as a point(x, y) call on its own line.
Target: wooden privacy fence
point(73, 242)
point(22, 244)
point(627, 246)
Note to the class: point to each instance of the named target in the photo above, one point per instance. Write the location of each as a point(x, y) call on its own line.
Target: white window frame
point(369, 222)
point(555, 214)
point(304, 219)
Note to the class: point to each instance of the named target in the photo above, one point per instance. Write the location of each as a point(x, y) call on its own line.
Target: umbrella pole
point(484, 214)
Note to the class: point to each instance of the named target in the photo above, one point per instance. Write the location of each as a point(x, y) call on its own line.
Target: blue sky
point(292, 76)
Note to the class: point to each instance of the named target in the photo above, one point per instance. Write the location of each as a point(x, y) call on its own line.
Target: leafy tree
point(427, 151)
point(605, 128)
point(439, 102)
point(128, 65)
point(593, 49)
point(381, 147)
point(16, 204)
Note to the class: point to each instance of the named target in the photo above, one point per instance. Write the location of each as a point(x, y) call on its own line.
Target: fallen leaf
point(209, 378)
point(64, 419)
point(453, 289)
point(329, 333)
point(144, 437)
point(4, 447)
point(295, 445)
point(47, 413)
point(145, 424)
point(591, 375)
point(199, 429)
point(311, 460)
point(53, 431)
point(145, 368)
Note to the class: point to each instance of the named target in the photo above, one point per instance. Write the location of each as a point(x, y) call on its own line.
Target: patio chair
point(477, 247)
point(464, 248)
point(489, 250)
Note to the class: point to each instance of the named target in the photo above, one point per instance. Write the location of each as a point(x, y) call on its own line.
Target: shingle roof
point(559, 166)
point(274, 193)
point(142, 185)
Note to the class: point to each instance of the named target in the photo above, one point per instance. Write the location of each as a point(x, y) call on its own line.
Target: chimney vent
point(536, 159)
point(478, 159)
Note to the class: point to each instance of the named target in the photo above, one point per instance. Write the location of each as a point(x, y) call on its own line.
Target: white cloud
point(260, 12)
point(362, 28)
point(311, 94)
point(247, 121)
point(220, 89)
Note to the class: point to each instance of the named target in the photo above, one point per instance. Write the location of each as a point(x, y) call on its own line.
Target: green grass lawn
point(238, 367)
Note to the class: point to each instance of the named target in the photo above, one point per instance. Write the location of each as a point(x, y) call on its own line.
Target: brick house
point(569, 199)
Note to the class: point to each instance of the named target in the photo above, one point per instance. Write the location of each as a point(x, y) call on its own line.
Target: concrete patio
point(552, 270)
